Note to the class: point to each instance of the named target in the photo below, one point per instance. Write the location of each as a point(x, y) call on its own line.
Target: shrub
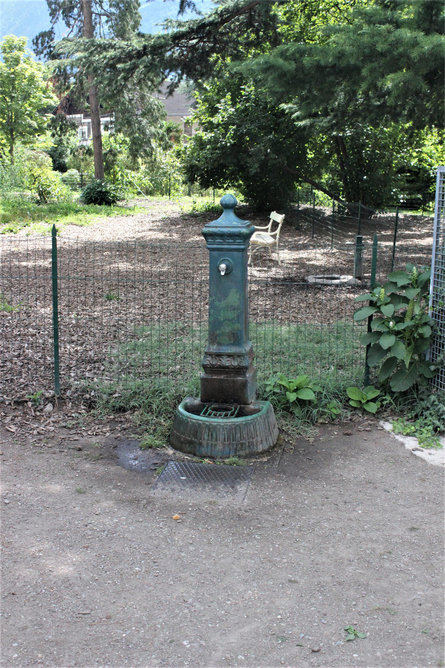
point(401, 329)
point(100, 192)
point(45, 184)
point(71, 178)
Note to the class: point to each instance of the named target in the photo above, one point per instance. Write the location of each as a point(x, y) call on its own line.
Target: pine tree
point(87, 20)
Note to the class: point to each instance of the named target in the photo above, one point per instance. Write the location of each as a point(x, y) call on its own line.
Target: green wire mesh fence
point(83, 317)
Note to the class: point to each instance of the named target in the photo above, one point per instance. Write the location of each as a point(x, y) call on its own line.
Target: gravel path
point(346, 531)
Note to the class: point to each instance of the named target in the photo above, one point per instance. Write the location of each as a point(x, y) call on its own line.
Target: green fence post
point(358, 257)
point(313, 216)
point(55, 295)
point(396, 227)
point(371, 287)
point(359, 225)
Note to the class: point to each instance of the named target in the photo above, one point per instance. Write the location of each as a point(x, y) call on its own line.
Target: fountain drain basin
point(232, 431)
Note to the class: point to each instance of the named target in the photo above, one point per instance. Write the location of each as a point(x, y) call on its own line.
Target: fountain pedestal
point(227, 420)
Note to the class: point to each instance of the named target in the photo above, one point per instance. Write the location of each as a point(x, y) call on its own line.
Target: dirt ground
point(102, 566)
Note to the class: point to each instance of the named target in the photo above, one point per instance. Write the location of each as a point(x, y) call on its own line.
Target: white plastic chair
point(267, 237)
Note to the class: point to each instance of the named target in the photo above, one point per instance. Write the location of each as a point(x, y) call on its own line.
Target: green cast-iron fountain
point(226, 420)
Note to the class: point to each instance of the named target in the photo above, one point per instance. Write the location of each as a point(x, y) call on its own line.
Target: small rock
point(48, 408)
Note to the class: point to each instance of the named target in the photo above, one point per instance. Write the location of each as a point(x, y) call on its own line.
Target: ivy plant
point(401, 328)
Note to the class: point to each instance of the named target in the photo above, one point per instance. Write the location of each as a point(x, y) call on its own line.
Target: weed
point(424, 419)
point(36, 398)
point(112, 297)
point(5, 306)
point(158, 438)
point(353, 633)
point(289, 393)
point(402, 329)
point(233, 461)
point(79, 490)
point(364, 398)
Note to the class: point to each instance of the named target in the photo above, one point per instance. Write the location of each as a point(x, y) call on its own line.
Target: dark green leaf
point(388, 368)
point(364, 313)
point(376, 354)
point(398, 350)
point(379, 325)
point(369, 337)
point(411, 293)
point(387, 309)
point(400, 278)
point(355, 393)
point(398, 301)
point(387, 340)
point(306, 394)
point(403, 379)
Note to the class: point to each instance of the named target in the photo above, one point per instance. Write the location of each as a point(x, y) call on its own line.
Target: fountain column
point(229, 376)
point(226, 420)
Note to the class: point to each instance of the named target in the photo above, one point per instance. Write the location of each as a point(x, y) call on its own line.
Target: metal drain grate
point(220, 411)
point(195, 475)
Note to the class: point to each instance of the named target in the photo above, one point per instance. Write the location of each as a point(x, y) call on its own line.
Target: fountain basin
point(249, 429)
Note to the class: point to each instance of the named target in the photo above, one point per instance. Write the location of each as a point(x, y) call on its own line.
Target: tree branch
point(314, 184)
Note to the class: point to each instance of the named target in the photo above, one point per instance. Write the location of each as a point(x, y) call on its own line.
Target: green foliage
point(5, 306)
point(18, 213)
point(364, 399)
point(352, 633)
point(101, 193)
point(401, 329)
point(47, 186)
point(424, 419)
point(81, 159)
point(289, 393)
point(198, 208)
point(13, 176)
point(246, 142)
point(25, 93)
point(366, 83)
point(71, 178)
point(36, 398)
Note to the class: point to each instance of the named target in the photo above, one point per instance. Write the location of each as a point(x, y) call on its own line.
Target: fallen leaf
point(176, 517)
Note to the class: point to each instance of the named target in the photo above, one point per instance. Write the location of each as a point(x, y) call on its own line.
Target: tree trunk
point(11, 146)
point(88, 33)
point(343, 161)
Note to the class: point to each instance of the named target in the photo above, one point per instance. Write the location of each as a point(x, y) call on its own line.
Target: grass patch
point(175, 349)
point(21, 213)
point(196, 205)
point(150, 374)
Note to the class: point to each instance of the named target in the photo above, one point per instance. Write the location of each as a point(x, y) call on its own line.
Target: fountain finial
point(228, 201)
